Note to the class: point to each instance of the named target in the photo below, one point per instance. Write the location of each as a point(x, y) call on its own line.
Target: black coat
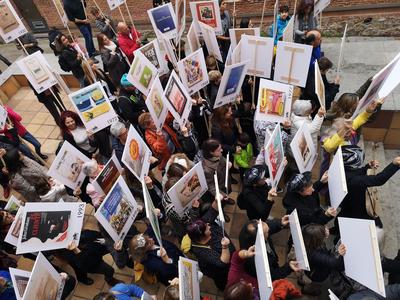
point(70, 56)
point(226, 138)
point(322, 264)
point(254, 200)
point(115, 64)
point(331, 89)
point(131, 109)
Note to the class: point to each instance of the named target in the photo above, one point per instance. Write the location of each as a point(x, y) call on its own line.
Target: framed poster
point(288, 33)
point(113, 4)
point(118, 210)
point(235, 34)
point(231, 83)
point(193, 38)
point(45, 282)
point(193, 71)
point(49, 226)
point(11, 26)
point(337, 180)
point(109, 175)
point(292, 63)
point(142, 73)
point(61, 13)
point(157, 104)
point(303, 149)
point(180, 12)
point(319, 6)
point(153, 53)
point(150, 214)
point(207, 12)
point(259, 51)
point(93, 107)
point(136, 155)
point(20, 280)
point(274, 156)
point(210, 39)
point(191, 186)
point(319, 84)
point(67, 166)
point(163, 20)
point(262, 266)
point(13, 204)
point(274, 101)
point(36, 70)
point(189, 283)
point(15, 228)
point(360, 237)
point(169, 50)
point(298, 242)
point(179, 101)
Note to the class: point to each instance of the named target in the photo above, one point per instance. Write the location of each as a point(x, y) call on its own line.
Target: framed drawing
point(275, 156)
point(207, 12)
point(303, 149)
point(169, 50)
point(157, 104)
point(13, 204)
point(153, 53)
point(189, 287)
point(20, 279)
point(11, 26)
point(163, 20)
point(210, 40)
point(319, 84)
point(235, 34)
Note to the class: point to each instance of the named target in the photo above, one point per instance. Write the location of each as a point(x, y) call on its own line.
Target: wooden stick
point(122, 15)
point(84, 8)
point(234, 14)
point(130, 16)
point(262, 15)
point(23, 47)
point(320, 20)
point(103, 15)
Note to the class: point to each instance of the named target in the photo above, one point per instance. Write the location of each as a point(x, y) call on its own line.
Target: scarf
point(112, 47)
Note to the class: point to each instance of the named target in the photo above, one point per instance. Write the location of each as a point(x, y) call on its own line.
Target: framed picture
point(163, 20)
point(262, 265)
point(319, 84)
point(67, 166)
point(303, 149)
point(20, 279)
point(150, 214)
point(157, 104)
point(153, 53)
point(13, 204)
point(235, 34)
point(193, 71)
point(136, 155)
point(190, 187)
point(108, 176)
point(118, 210)
point(15, 228)
point(189, 287)
point(11, 26)
point(60, 11)
point(210, 40)
point(113, 4)
point(207, 12)
point(178, 100)
point(193, 38)
point(93, 107)
point(49, 226)
point(275, 156)
point(298, 242)
point(231, 83)
point(36, 70)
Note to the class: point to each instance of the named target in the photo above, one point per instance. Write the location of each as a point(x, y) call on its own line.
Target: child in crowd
point(244, 153)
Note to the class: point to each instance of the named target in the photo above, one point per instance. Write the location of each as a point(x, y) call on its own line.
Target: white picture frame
point(150, 214)
point(275, 156)
point(259, 51)
point(264, 278)
point(15, 228)
point(319, 84)
point(303, 149)
point(152, 52)
point(11, 26)
point(298, 242)
point(180, 13)
point(210, 39)
point(208, 13)
point(235, 34)
point(13, 204)
point(20, 279)
point(168, 49)
point(337, 180)
point(189, 283)
point(236, 56)
point(157, 104)
point(193, 38)
point(163, 20)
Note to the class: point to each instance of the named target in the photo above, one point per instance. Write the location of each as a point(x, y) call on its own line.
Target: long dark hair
point(13, 160)
point(196, 230)
point(219, 119)
point(345, 106)
point(59, 45)
point(100, 40)
point(69, 114)
point(314, 237)
point(302, 7)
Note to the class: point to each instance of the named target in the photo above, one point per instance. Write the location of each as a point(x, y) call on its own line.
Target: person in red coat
point(128, 40)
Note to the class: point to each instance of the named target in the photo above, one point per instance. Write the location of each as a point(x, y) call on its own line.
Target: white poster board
point(136, 155)
point(67, 166)
point(298, 242)
point(235, 34)
point(259, 51)
point(274, 101)
point(36, 70)
point(113, 4)
point(288, 33)
point(179, 101)
point(207, 12)
point(337, 180)
point(49, 226)
point(142, 73)
point(11, 26)
point(341, 50)
point(118, 211)
point(303, 149)
point(150, 213)
point(292, 63)
point(61, 13)
point(157, 104)
point(193, 38)
point(189, 283)
point(210, 39)
point(169, 50)
point(93, 107)
point(236, 56)
point(275, 156)
point(218, 196)
point(191, 186)
point(15, 228)
point(231, 83)
point(153, 53)
point(45, 282)
point(193, 71)
point(13, 204)
point(319, 84)
point(262, 267)
point(359, 236)
point(319, 6)
point(180, 13)
point(20, 279)
point(163, 20)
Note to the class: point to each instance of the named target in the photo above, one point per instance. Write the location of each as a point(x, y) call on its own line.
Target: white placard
point(298, 242)
point(236, 56)
point(341, 50)
point(168, 49)
point(180, 13)
point(207, 12)
point(153, 53)
point(142, 73)
point(36, 70)
point(262, 266)
point(193, 38)
point(275, 156)
point(193, 71)
point(190, 187)
point(219, 202)
point(45, 282)
point(150, 214)
point(337, 180)
point(67, 166)
point(235, 34)
point(61, 12)
point(20, 280)
point(231, 83)
point(274, 101)
point(319, 84)
point(157, 104)
point(3, 116)
point(319, 6)
point(15, 228)
point(303, 149)
point(259, 51)
point(163, 20)
point(48, 226)
point(332, 296)
point(292, 63)
point(93, 107)
point(227, 172)
point(11, 26)
point(13, 204)
point(210, 40)
point(113, 4)
point(288, 33)
point(189, 283)
point(136, 155)
point(362, 261)
point(179, 101)
point(118, 211)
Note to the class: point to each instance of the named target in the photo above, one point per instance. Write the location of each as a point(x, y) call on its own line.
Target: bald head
point(313, 38)
point(123, 28)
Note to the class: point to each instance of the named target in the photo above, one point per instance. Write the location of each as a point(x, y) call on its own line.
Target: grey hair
point(89, 167)
point(301, 107)
point(116, 128)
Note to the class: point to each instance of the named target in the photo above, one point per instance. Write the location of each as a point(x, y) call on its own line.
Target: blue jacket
point(126, 291)
point(281, 25)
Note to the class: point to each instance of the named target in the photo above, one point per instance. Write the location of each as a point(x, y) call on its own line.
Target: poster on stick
point(262, 266)
point(189, 283)
point(337, 180)
point(163, 20)
point(298, 242)
point(109, 175)
point(303, 149)
point(11, 26)
point(319, 6)
point(15, 228)
point(113, 4)
point(235, 34)
point(275, 156)
point(180, 12)
point(157, 104)
point(288, 33)
point(13, 204)
point(259, 51)
point(193, 38)
point(210, 39)
point(208, 13)
point(151, 214)
point(153, 53)
point(20, 279)
point(319, 84)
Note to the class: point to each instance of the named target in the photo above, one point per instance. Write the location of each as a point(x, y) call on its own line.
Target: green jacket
point(245, 156)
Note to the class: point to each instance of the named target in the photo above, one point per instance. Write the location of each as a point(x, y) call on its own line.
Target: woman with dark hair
point(245, 22)
point(305, 20)
point(241, 290)
point(224, 128)
point(344, 107)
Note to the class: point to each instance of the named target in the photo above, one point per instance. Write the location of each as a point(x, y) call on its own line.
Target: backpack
point(64, 64)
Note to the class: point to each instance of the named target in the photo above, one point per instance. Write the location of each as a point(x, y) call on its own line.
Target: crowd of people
point(207, 137)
